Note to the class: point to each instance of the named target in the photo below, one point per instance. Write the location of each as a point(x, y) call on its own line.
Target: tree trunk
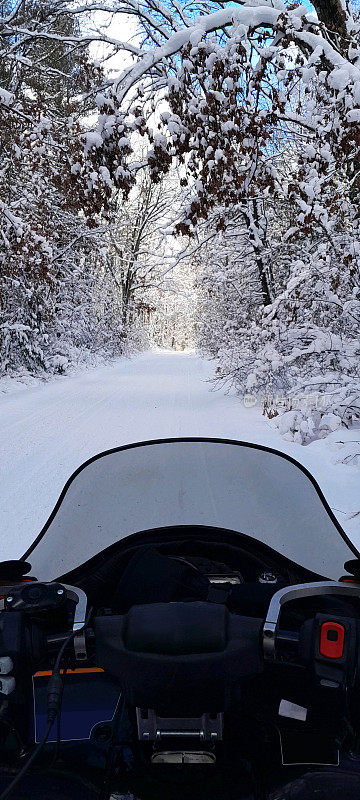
point(126, 296)
point(258, 240)
point(332, 14)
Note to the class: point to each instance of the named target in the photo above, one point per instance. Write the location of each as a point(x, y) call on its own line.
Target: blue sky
point(304, 3)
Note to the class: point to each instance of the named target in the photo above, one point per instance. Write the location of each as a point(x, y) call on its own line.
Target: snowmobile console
point(179, 657)
point(183, 667)
point(209, 631)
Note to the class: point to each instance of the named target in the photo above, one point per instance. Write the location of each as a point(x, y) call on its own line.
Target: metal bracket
point(79, 596)
point(184, 757)
point(297, 592)
point(151, 728)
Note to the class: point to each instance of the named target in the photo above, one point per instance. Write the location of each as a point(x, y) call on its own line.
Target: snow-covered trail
point(46, 431)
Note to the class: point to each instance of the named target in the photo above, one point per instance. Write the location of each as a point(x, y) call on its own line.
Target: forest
point(186, 173)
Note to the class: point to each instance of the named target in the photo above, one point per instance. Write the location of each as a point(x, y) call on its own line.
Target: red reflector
point(332, 640)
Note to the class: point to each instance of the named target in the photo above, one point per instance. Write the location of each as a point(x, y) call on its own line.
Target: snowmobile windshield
point(220, 484)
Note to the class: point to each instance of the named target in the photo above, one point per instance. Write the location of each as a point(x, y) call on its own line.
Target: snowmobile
point(183, 627)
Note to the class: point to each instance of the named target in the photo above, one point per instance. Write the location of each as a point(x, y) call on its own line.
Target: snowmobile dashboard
point(214, 648)
point(194, 622)
point(181, 668)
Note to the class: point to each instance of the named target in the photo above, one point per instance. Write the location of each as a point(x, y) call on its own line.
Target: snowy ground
point(48, 430)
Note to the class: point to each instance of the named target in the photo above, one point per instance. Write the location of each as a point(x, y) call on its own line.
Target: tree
point(137, 244)
point(50, 261)
point(239, 82)
point(172, 320)
point(258, 105)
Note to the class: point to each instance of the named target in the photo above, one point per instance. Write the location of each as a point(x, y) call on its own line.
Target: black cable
point(57, 749)
point(106, 786)
point(4, 721)
point(26, 766)
point(55, 685)
point(54, 694)
point(58, 723)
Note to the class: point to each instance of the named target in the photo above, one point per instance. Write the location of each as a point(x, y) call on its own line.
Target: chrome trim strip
point(79, 620)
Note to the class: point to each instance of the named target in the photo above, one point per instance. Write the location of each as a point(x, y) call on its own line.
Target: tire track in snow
point(47, 431)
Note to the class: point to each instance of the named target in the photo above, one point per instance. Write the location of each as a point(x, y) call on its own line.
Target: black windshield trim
point(235, 442)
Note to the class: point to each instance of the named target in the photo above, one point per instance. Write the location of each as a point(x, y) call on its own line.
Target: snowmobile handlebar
point(146, 638)
point(38, 597)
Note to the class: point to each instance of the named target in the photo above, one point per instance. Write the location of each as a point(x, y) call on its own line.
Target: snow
point(206, 23)
point(353, 115)
point(48, 430)
point(242, 19)
point(5, 96)
point(331, 421)
point(92, 139)
point(197, 35)
point(339, 79)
